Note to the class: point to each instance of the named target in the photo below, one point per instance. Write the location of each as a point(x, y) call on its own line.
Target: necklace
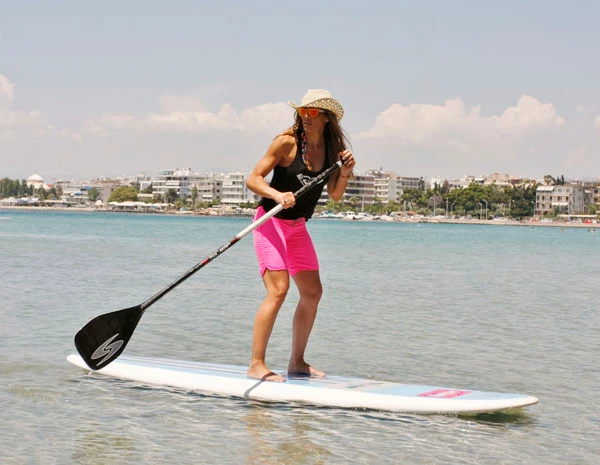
point(303, 151)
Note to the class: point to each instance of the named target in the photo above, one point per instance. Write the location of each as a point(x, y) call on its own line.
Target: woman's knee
point(312, 293)
point(278, 285)
point(279, 292)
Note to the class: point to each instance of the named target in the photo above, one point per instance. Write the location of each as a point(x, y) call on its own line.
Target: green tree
point(42, 194)
point(14, 188)
point(522, 201)
point(93, 194)
point(24, 190)
point(330, 205)
point(171, 196)
point(194, 197)
point(123, 194)
point(410, 195)
point(392, 206)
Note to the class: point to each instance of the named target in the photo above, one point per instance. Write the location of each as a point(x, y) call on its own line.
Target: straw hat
point(320, 98)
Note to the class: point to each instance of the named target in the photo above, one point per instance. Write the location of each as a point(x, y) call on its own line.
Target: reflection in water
point(512, 417)
point(267, 446)
point(95, 447)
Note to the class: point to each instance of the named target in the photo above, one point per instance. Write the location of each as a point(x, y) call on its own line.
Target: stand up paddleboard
point(330, 391)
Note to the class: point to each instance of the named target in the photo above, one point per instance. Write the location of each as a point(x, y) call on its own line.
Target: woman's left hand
point(348, 162)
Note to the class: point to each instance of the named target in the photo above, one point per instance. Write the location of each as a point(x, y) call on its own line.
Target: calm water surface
point(498, 308)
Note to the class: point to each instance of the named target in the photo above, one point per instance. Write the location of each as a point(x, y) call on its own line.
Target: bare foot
point(304, 369)
point(262, 373)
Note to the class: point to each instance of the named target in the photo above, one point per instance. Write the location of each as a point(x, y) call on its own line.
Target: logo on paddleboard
point(444, 393)
point(107, 350)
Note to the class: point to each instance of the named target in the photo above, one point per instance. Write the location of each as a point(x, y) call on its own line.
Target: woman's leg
point(277, 284)
point(310, 289)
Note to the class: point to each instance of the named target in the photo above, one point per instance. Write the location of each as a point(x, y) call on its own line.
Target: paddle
point(103, 339)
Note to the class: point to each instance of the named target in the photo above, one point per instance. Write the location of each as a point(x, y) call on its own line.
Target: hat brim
point(329, 104)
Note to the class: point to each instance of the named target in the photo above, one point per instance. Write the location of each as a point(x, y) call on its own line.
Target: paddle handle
point(263, 219)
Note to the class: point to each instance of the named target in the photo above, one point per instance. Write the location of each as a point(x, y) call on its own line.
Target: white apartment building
point(466, 181)
point(375, 186)
point(209, 187)
point(234, 190)
point(567, 199)
point(406, 182)
point(360, 190)
point(386, 188)
point(179, 180)
point(389, 187)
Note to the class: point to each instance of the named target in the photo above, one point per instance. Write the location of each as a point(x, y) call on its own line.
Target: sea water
point(502, 308)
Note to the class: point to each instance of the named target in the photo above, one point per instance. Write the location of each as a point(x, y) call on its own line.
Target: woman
point(283, 245)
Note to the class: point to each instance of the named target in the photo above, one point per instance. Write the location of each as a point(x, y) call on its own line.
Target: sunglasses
point(312, 112)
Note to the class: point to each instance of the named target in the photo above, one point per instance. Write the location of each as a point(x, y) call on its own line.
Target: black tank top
point(290, 179)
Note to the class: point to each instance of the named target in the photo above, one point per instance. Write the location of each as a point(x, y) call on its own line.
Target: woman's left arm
point(339, 180)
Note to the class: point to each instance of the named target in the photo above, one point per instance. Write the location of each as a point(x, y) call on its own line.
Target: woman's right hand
point(286, 199)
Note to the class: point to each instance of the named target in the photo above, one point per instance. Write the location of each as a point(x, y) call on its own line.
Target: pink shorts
point(284, 245)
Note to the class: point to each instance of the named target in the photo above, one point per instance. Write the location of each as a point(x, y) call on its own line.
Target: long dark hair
point(336, 139)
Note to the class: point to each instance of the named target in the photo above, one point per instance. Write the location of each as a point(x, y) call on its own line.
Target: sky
point(432, 88)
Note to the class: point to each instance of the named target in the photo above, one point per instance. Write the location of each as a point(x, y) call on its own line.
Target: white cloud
point(14, 124)
point(266, 118)
point(528, 116)
point(6, 91)
point(263, 118)
point(597, 122)
point(455, 126)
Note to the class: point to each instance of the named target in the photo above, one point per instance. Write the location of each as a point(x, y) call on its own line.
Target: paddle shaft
point(263, 219)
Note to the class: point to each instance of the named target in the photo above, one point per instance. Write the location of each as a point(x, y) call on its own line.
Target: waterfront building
point(435, 181)
point(179, 180)
point(36, 181)
point(209, 188)
point(499, 179)
point(375, 186)
point(566, 199)
point(234, 191)
point(466, 181)
point(106, 186)
point(386, 188)
point(389, 187)
point(408, 182)
point(591, 194)
point(76, 195)
point(360, 191)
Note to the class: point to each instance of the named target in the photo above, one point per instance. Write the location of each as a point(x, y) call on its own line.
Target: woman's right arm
point(277, 153)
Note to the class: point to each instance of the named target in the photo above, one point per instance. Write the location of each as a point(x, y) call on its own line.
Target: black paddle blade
point(104, 338)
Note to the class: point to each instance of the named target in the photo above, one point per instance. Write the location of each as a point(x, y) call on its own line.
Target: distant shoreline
point(136, 212)
point(547, 224)
point(554, 224)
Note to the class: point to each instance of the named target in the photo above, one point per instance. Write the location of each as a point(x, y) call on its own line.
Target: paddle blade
point(104, 338)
